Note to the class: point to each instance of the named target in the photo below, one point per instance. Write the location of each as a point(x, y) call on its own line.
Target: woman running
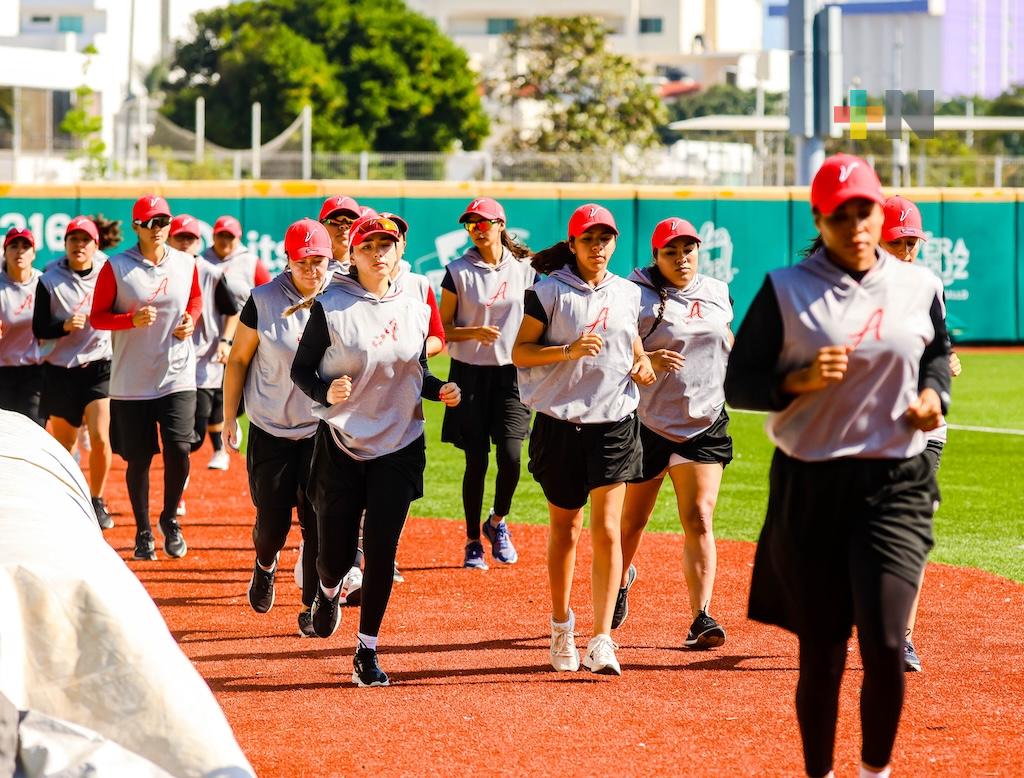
point(684, 324)
point(21, 371)
point(848, 351)
point(362, 358)
point(76, 355)
point(580, 357)
point(149, 296)
point(902, 236)
point(481, 309)
point(417, 283)
point(281, 422)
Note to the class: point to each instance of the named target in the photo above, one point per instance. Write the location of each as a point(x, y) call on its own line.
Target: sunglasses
point(481, 226)
point(156, 223)
point(341, 224)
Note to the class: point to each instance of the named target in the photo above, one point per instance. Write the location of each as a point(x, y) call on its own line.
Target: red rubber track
point(474, 691)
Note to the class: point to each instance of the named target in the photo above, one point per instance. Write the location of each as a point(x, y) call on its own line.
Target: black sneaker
point(366, 671)
point(704, 633)
point(174, 541)
point(622, 599)
point(145, 547)
point(102, 514)
point(911, 661)
point(325, 613)
point(261, 588)
point(306, 623)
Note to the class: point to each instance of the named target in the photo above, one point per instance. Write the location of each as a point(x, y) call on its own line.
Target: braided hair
point(661, 287)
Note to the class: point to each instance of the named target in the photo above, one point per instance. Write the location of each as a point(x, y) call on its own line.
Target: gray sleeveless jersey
point(593, 389)
point(489, 295)
point(696, 322)
point(71, 293)
point(377, 342)
point(206, 337)
point(150, 362)
point(272, 402)
point(886, 318)
point(410, 282)
point(18, 346)
point(240, 265)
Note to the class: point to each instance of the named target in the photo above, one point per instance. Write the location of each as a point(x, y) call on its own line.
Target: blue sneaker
point(501, 541)
point(474, 556)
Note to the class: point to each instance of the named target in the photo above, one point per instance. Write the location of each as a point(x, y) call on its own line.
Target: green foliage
point(377, 76)
point(593, 99)
point(84, 126)
point(209, 169)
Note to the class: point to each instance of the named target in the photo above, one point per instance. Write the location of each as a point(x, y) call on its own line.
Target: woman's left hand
point(925, 413)
point(185, 327)
point(450, 395)
point(642, 371)
point(954, 364)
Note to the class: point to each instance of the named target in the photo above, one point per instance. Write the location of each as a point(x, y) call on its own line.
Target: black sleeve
point(448, 282)
point(431, 389)
point(249, 317)
point(312, 345)
point(532, 307)
point(934, 369)
point(224, 300)
point(752, 380)
point(44, 325)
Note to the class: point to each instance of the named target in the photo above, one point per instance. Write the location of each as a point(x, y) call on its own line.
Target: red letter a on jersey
point(873, 325)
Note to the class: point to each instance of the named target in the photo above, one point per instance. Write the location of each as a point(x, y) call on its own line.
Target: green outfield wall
point(976, 245)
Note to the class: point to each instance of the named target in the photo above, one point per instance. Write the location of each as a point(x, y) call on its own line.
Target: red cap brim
point(828, 208)
point(895, 233)
point(596, 223)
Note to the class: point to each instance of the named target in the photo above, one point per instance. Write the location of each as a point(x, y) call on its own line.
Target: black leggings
point(341, 488)
point(508, 453)
point(176, 468)
point(881, 619)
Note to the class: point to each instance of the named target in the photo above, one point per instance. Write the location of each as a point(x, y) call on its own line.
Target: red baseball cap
point(372, 225)
point(339, 203)
point(902, 220)
point(185, 224)
point(307, 238)
point(14, 233)
point(668, 230)
point(83, 224)
point(148, 206)
point(485, 208)
point(366, 212)
point(590, 215)
point(403, 225)
point(844, 177)
point(228, 224)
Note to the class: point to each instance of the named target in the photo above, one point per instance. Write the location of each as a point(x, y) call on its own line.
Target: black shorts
point(210, 405)
point(278, 470)
point(133, 424)
point(708, 447)
point(833, 528)
point(490, 409)
point(69, 389)
point(569, 460)
point(21, 389)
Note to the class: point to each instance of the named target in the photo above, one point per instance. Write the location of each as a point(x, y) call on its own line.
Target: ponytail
point(519, 250)
point(548, 260)
point(660, 286)
point(307, 302)
point(109, 230)
point(814, 245)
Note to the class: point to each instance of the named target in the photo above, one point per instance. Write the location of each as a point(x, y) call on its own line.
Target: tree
point(84, 125)
point(377, 76)
point(591, 99)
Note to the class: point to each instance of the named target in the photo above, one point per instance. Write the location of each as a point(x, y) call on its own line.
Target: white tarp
point(80, 639)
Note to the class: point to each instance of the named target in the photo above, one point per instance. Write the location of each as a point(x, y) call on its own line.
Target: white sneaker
point(219, 460)
point(351, 587)
point(298, 566)
point(600, 656)
point(564, 656)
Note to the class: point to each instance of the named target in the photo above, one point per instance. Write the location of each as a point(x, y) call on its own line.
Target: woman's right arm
point(528, 351)
point(452, 332)
point(752, 380)
point(45, 326)
point(312, 345)
point(246, 341)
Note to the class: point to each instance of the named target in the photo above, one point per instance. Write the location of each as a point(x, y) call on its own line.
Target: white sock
point(270, 569)
point(883, 773)
point(332, 592)
point(366, 641)
point(569, 624)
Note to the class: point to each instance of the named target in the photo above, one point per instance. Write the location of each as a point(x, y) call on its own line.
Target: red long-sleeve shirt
point(103, 318)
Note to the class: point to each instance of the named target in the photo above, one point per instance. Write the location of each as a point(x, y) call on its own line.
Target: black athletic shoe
point(261, 588)
point(911, 661)
point(325, 613)
point(704, 633)
point(366, 671)
point(145, 547)
point(102, 514)
point(174, 541)
point(622, 599)
point(306, 624)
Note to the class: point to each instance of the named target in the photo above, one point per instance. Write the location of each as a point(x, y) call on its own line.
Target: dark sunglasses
point(156, 223)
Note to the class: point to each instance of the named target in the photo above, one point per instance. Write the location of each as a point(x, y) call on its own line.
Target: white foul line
point(961, 427)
